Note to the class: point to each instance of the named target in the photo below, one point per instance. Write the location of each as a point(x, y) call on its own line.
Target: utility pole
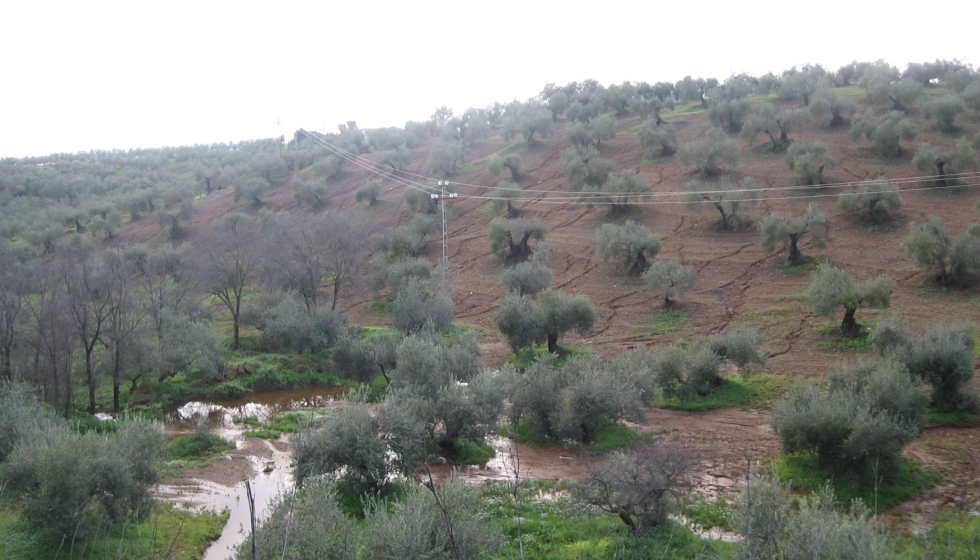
point(441, 197)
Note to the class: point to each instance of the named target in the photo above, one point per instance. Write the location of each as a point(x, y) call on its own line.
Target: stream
point(266, 465)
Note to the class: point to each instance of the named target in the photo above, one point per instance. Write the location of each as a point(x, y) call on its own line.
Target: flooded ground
point(266, 465)
point(726, 441)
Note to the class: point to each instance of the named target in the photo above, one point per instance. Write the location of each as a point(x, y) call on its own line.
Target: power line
point(597, 197)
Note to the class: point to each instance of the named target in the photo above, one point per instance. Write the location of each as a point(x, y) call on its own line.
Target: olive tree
point(573, 401)
point(864, 418)
point(563, 314)
point(348, 448)
point(618, 192)
point(828, 102)
point(305, 524)
point(710, 155)
point(530, 277)
point(945, 163)
point(726, 196)
point(504, 197)
point(526, 120)
point(776, 126)
point(585, 169)
point(832, 288)
point(944, 109)
point(670, 279)
point(369, 192)
point(431, 521)
point(942, 357)
point(631, 246)
point(308, 193)
point(784, 231)
point(934, 251)
point(642, 485)
point(873, 201)
point(658, 137)
point(809, 160)
point(419, 304)
point(510, 239)
point(510, 162)
point(525, 322)
point(886, 132)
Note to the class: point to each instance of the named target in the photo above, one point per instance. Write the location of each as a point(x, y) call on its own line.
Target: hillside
point(110, 199)
point(738, 283)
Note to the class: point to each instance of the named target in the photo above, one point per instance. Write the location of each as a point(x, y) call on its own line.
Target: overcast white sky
point(99, 74)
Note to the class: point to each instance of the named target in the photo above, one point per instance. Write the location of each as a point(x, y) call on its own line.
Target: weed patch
point(732, 392)
point(711, 514)
point(911, 479)
point(777, 322)
point(197, 445)
point(665, 321)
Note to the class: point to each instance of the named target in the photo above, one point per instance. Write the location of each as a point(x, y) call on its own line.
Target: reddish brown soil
point(735, 275)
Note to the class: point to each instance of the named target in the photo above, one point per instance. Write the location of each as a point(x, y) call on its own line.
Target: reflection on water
point(219, 414)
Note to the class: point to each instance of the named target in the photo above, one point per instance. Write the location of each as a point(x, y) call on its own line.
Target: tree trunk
point(511, 211)
point(795, 255)
point(553, 347)
point(836, 120)
point(849, 327)
point(234, 319)
point(941, 168)
point(640, 265)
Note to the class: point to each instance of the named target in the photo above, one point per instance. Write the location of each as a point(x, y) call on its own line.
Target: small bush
point(197, 445)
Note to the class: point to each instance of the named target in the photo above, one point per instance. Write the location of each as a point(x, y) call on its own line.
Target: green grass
point(188, 533)
point(468, 452)
point(83, 423)
point(263, 433)
point(954, 535)
point(769, 387)
point(665, 321)
point(780, 321)
point(732, 392)
point(554, 527)
point(526, 358)
point(523, 432)
point(197, 445)
point(711, 514)
point(836, 343)
point(911, 480)
point(950, 418)
point(613, 435)
point(806, 267)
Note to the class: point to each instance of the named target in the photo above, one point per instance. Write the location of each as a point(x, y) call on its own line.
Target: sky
point(97, 75)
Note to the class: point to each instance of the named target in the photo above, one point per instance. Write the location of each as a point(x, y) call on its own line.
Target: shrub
point(310, 521)
point(431, 521)
point(816, 530)
point(68, 484)
point(199, 444)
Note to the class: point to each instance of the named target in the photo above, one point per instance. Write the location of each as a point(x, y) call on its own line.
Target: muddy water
point(266, 465)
